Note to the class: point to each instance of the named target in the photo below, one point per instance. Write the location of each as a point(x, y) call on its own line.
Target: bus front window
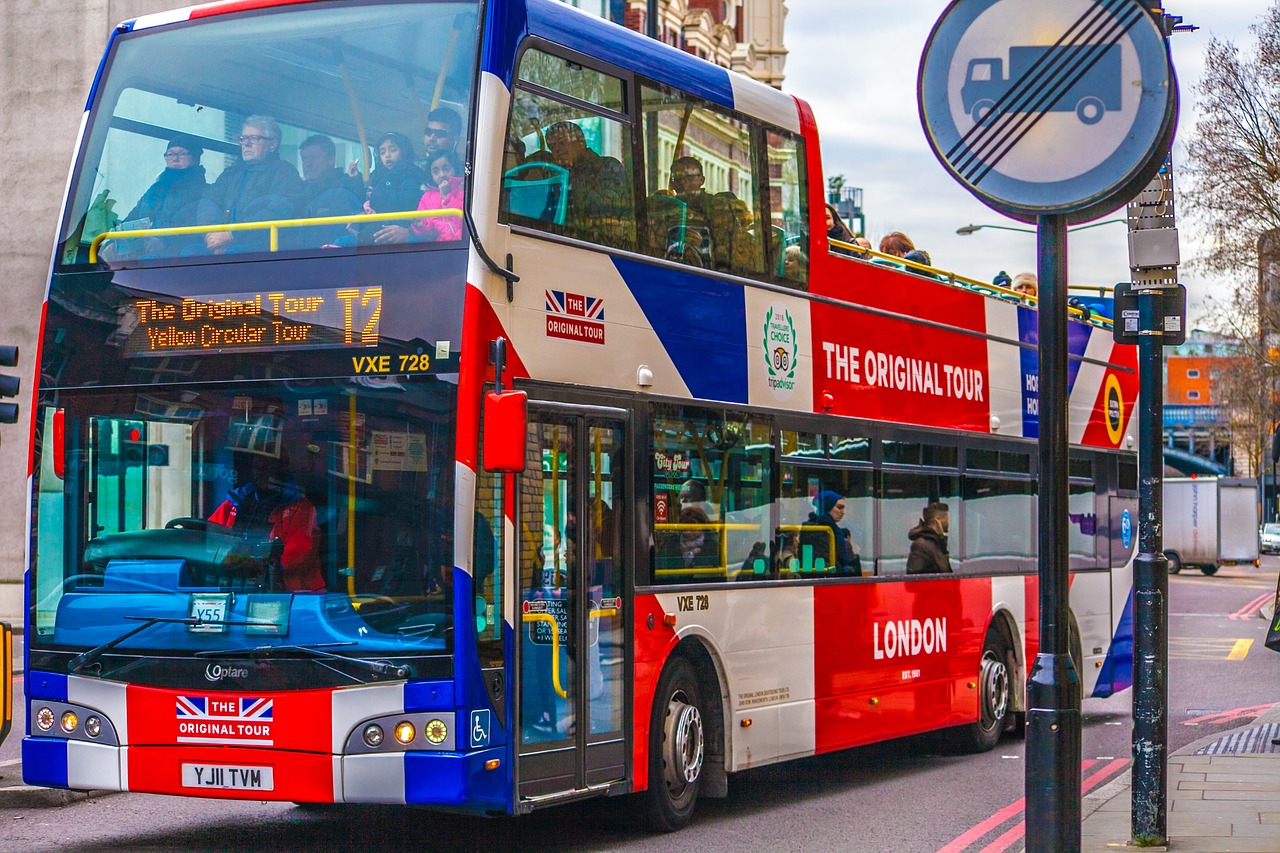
point(226, 136)
point(248, 517)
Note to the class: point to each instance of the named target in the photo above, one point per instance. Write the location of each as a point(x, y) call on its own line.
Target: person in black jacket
point(175, 200)
point(929, 542)
point(260, 187)
point(830, 511)
point(396, 185)
point(330, 191)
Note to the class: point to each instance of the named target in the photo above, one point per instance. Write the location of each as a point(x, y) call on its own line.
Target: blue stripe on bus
point(1117, 669)
point(44, 761)
point(428, 696)
point(624, 48)
point(46, 685)
point(504, 30)
point(458, 781)
point(701, 322)
point(1028, 333)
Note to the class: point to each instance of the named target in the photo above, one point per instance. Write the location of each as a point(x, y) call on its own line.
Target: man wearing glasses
point(175, 200)
point(260, 187)
point(441, 133)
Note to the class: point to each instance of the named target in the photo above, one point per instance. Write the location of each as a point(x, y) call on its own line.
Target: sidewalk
point(1224, 797)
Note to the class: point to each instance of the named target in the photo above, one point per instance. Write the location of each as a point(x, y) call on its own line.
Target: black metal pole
point(1150, 591)
point(1053, 690)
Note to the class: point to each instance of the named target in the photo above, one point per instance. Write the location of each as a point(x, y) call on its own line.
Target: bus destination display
point(257, 321)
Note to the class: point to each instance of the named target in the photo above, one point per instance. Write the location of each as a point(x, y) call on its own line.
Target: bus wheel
point(677, 747)
point(1209, 570)
point(993, 699)
point(1175, 562)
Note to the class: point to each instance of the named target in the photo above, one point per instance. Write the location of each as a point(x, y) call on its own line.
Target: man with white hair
point(260, 187)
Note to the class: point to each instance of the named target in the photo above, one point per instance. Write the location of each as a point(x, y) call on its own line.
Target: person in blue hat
point(829, 511)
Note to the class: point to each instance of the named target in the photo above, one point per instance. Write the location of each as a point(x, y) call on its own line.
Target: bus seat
point(543, 199)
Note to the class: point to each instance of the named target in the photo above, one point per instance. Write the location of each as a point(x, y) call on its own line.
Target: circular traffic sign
point(1039, 107)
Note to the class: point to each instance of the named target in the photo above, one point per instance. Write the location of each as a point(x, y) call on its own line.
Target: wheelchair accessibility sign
point(479, 727)
point(1048, 106)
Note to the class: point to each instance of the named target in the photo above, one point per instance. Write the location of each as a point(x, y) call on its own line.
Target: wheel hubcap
point(995, 689)
point(684, 741)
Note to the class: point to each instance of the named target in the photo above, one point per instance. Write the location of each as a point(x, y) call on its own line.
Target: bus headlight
point(93, 725)
point(44, 719)
point(436, 731)
point(373, 735)
point(69, 721)
point(405, 732)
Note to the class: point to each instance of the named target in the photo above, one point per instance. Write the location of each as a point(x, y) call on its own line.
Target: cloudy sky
point(855, 62)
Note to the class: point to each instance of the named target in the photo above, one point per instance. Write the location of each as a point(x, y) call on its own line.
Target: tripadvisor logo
point(781, 349)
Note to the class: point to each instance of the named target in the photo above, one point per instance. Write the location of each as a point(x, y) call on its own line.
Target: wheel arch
point(700, 650)
point(1003, 622)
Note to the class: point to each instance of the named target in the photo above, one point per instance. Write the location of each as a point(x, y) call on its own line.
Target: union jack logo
point(575, 305)
point(213, 708)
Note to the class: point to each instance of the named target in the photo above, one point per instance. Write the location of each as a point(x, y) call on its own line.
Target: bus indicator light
point(44, 719)
point(70, 721)
point(405, 732)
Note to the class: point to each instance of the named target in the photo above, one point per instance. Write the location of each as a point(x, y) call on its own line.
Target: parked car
point(1269, 540)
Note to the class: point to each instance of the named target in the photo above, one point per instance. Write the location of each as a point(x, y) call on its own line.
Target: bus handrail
point(555, 641)
point(273, 224)
point(957, 280)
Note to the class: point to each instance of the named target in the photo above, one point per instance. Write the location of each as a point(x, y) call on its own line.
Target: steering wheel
point(187, 524)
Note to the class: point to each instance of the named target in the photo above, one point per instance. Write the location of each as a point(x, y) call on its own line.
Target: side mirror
point(506, 418)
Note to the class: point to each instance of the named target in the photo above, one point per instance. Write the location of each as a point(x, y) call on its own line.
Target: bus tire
point(1175, 562)
point(994, 694)
point(1209, 570)
point(677, 748)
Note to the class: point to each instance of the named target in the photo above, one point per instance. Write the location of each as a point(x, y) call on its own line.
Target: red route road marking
point(1248, 611)
point(1228, 716)
point(1015, 832)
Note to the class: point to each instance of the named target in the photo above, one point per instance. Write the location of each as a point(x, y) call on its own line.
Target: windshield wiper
point(377, 667)
point(86, 658)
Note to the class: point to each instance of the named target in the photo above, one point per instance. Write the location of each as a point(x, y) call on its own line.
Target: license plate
point(232, 777)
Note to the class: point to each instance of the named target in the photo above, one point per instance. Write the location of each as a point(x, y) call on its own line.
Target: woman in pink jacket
point(446, 191)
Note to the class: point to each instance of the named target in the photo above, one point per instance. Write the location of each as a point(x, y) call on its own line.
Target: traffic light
point(9, 385)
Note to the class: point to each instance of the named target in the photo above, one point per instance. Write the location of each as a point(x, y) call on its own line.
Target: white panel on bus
point(354, 704)
point(756, 99)
point(1084, 394)
point(373, 778)
point(93, 766)
point(1004, 364)
point(779, 351)
point(105, 696)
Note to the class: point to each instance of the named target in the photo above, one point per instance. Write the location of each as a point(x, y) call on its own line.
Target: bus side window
point(788, 208)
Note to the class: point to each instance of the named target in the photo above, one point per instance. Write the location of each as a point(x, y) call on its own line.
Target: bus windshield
point(246, 519)
point(276, 131)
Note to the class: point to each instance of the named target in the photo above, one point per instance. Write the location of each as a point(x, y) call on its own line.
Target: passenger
point(896, 244)
point(795, 265)
point(396, 185)
point(697, 546)
point(929, 542)
point(920, 256)
point(696, 227)
point(444, 191)
point(599, 208)
point(268, 507)
point(837, 230)
point(862, 242)
point(442, 133)
point(258, 188)
point(329, 190)
point(1002, 280)
point(175, 200)
point(694, 493)
point(745, 247)
point(829, 511)
point(1027, 284)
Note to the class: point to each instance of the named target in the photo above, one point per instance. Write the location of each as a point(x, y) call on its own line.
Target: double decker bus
point(755, 497)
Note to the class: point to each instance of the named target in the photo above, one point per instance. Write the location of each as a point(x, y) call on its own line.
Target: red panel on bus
point(241, 774)
point(301, 720)
point(890, 369)
point(892, 659)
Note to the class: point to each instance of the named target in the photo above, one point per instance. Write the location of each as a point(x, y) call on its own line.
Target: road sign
point(1048, 106)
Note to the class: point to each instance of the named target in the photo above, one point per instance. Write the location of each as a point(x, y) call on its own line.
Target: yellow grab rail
point(865, 254)
point(555, 642)
point(273, 224)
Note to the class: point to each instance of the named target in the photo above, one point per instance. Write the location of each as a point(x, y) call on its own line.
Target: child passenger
point(396, 185)
point(444, 192)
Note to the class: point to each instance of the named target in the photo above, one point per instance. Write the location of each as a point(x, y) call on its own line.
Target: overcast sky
point(855, 62)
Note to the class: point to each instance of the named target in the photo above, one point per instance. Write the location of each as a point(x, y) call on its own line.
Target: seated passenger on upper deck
point(396, 185)
point(692, 225)
point(258, 188)
point(599, 208)
point(330, 191)
point(175, 200)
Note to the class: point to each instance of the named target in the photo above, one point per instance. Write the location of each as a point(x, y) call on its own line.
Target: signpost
point(1053, 112)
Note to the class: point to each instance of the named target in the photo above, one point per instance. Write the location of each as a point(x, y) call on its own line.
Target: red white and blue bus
point(282, 549)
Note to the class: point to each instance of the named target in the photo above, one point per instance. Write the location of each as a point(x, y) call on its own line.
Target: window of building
point(1193, 373)
point(1193, 395)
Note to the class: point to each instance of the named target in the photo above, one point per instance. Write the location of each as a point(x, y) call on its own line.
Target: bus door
point(572, 684)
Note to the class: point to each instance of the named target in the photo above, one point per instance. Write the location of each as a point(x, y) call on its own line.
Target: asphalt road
point(902, 796)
